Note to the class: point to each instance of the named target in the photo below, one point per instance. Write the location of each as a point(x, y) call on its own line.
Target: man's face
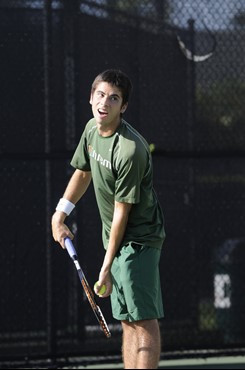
point(106, 101)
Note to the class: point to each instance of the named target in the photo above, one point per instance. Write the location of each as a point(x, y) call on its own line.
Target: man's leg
point(129, 345)
point(141, 344)
point(149, 344)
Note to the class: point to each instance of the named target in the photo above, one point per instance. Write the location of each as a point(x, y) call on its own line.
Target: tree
point(220, 115)
point(154, 9)
point(239, 19)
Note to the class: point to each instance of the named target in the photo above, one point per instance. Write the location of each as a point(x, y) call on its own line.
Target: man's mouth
point(102, 112)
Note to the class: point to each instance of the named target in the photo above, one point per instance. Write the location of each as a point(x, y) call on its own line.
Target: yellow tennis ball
point(152, 147)
point(102, 289)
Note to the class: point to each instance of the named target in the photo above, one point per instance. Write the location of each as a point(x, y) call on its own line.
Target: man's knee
point(145, 324)
point(128, 327)
point(140, 326)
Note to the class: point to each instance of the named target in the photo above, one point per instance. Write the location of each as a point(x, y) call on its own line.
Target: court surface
point(114, 362)
point(225, 362)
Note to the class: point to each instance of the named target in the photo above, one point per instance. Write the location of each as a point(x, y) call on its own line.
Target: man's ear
point(124, 107)
point(91, 98)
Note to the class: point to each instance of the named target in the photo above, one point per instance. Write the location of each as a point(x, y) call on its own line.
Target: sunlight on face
point(106, 101)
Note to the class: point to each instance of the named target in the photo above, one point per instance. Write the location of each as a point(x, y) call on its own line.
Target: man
point(117, 158)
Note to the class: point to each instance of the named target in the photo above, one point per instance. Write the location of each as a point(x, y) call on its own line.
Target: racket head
point(95, 307)
point(86, 287)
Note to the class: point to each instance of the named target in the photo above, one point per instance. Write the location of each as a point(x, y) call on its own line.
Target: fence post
point(71, 32)
point(191, 85)
point(47, 51)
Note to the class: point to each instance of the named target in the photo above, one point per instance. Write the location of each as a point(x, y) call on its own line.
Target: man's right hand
point(59, 229)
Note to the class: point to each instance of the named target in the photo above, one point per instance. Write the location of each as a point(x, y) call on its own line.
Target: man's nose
point(105, 100)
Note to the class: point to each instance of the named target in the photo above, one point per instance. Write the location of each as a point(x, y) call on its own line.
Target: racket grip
point(70, 247)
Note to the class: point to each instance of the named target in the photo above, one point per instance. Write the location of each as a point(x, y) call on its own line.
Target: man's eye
point(114, 98)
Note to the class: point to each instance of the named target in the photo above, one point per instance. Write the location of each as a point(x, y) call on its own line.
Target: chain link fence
point(186, 62)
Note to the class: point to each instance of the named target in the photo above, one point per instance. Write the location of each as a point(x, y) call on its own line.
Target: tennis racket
point(88, 291)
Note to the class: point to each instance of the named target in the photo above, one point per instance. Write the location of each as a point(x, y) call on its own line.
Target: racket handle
point(70, 247)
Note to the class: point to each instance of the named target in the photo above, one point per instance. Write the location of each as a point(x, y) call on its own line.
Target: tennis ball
point(102, 289)
point(152, 147)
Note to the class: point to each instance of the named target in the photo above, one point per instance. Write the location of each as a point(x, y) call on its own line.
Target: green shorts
point(136, 293)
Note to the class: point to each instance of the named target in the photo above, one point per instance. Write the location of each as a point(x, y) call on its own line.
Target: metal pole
point(71, 9)
point(47, 41)
point(192, 76)
point(192, 163)
point(70, 19)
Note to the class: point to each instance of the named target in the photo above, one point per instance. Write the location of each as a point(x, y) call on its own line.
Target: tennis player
point(117, 158)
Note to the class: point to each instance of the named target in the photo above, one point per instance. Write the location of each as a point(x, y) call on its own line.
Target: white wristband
point(65, 206)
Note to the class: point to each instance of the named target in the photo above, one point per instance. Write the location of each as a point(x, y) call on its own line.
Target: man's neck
point(109, 130)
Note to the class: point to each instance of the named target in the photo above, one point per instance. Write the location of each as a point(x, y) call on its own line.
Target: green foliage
point(239, 19)
point(155, 9)
point(220, 114)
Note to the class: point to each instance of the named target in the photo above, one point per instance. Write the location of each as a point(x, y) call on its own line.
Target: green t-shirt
point(121, 168)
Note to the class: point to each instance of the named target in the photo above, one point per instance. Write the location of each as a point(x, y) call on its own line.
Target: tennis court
point(200, 361)
point(208, 363)
point(186, 62)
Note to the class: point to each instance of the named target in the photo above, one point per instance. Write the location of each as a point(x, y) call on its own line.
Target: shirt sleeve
point(130, 172)
point(81, 159)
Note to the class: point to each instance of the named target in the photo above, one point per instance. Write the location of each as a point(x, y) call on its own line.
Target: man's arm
point(75, 189)
point(119, 224)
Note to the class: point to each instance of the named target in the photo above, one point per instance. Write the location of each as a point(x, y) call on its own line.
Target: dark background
point(50, 52)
